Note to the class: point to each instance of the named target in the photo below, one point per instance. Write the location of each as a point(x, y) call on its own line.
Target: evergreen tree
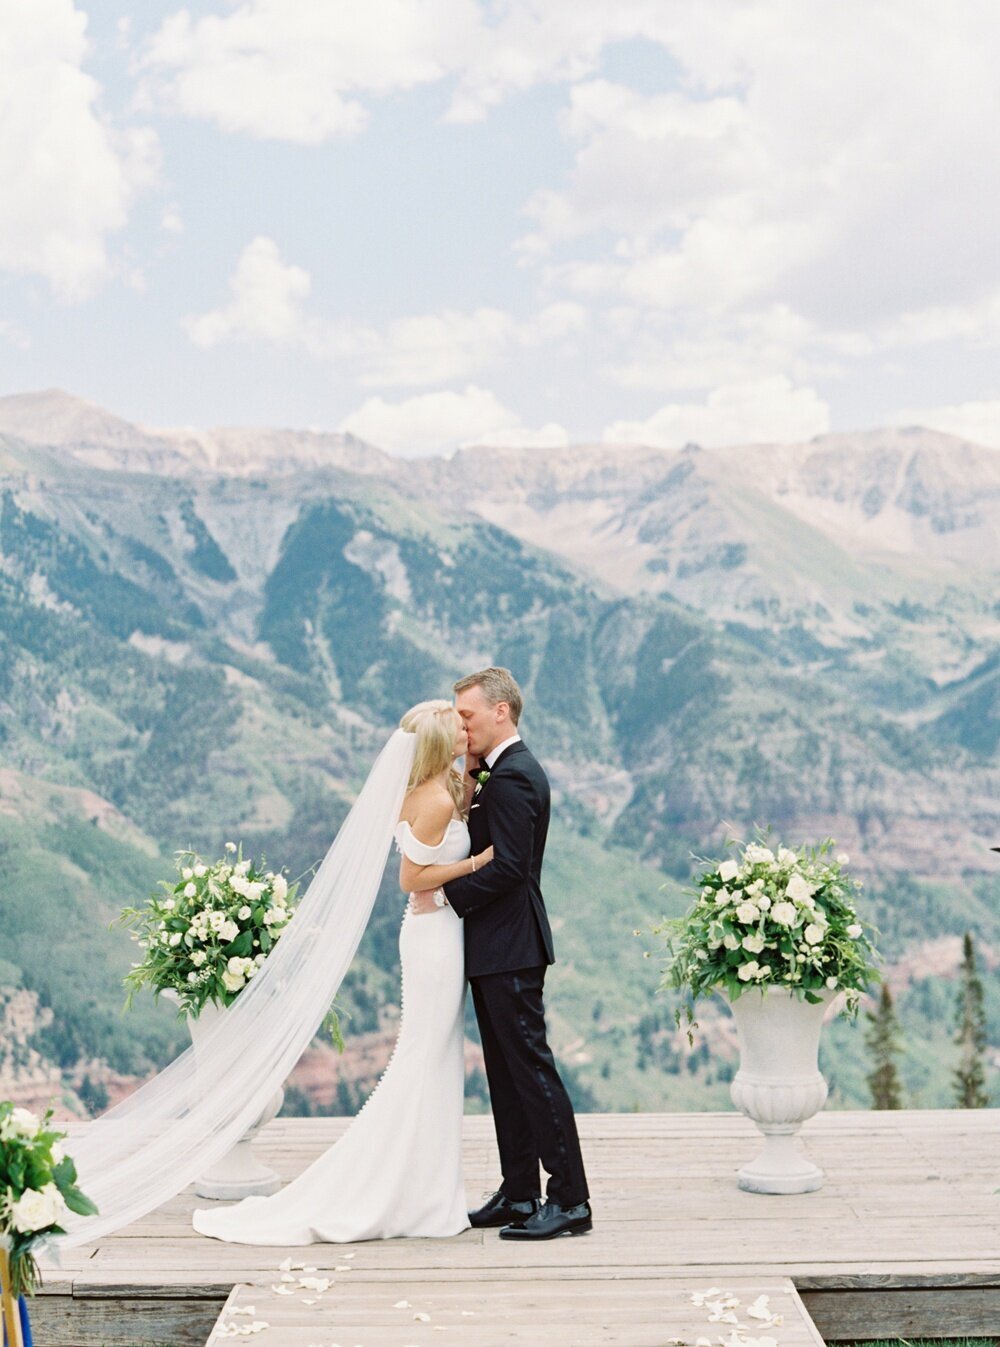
point(970, 1077)
point(883, 1039)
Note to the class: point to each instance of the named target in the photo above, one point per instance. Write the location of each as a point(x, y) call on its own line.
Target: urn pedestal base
point(779, 1084)
point(780, 1168)
point(238, 1173)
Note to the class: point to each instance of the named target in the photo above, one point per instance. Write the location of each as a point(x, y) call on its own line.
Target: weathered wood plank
point(972, 1312)
point(907, 1223)
point(654, 1312)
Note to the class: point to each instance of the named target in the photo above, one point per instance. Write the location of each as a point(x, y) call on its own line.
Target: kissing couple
point(471, 849)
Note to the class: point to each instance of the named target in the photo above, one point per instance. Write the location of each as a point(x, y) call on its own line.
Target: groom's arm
point(514, 807)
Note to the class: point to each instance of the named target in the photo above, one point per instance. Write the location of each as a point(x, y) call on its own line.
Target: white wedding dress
point(397, 1170)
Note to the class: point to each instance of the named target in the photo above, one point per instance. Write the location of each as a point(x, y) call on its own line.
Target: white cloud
point(15, 335)
point(438, 422)
point(550, 436)
point(268, 303)
point(975, 421)
point(69, 178)
point(761, 411)
point(297, 71)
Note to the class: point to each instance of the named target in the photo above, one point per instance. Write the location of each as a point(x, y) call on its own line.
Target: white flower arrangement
point(772, 918)
point(37, 1189)
point(209, 933)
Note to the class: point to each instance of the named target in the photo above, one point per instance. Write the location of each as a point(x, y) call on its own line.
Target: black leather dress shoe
point(550, 1221)
point(500, 1210)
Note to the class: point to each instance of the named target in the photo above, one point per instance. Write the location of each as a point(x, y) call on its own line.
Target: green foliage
point(785, 919)
point(883, 1041)
point(970, 1075)
point(207, 556)
point(199, 936)
point(38, 1186)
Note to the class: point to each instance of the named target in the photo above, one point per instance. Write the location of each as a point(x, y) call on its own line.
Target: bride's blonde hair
point(436, 725)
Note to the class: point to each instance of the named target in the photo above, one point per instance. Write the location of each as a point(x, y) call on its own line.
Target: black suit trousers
point(531, 1109)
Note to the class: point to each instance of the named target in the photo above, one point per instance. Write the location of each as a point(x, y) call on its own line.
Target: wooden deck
point(902, 1240)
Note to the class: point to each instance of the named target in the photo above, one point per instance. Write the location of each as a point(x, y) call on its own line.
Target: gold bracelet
point(473, 860)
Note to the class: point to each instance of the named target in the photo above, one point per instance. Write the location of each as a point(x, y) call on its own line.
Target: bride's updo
point(436, 725)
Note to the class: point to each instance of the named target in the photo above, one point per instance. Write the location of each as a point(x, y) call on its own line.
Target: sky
point(440, 222)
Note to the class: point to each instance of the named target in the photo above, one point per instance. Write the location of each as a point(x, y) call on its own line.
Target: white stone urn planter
point(779, 1084)
point(238, 1173)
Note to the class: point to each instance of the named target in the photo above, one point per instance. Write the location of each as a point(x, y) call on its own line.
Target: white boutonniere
point(481, 780)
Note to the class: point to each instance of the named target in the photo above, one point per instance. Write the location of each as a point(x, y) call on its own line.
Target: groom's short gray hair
point(498, 685)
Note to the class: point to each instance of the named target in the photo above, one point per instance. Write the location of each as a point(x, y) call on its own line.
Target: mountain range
point(207, 633)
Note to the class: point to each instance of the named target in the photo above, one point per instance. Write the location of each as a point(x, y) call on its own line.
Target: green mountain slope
point(191, 659)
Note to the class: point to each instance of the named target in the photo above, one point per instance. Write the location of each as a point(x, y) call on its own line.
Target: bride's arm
point(415, 878)
point(431, 820)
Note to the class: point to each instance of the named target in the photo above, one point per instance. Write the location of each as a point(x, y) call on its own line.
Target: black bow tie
point(474, 771)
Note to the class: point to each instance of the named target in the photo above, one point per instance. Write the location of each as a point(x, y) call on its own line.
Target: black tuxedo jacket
point(506, 926)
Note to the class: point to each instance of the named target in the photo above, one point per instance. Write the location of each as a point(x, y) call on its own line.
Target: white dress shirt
point(494, 753)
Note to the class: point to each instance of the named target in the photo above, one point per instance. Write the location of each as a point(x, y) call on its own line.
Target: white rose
point(253, 891)
point(783, 914)
point(747, 912)
point(755, 855)
point(200, 870)
point(192, 977)
point(786, 857)
point(228, 930)
point(260, 959)
point(198, 957)
point(36, 1209)
point(730, 941)
point(813, 934)
point(854, 930)
point(728, 871)
point(280, 888)
point(216, 920)
point(233, 981)
point(722, 897)
point(21, 1122)
point(243, 868)
point(235, 964)
point(748, 970)
point(239, 883)
point(169, 905)
point(753, 943)
point(799, 889)
point(190, 890)
point(763, 902)
point(843, 858)
point(175, 939)
point(831, 983)
point(243, 913)
point(186, 873)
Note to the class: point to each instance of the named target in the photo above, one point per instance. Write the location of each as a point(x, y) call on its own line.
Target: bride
point(397, 1170)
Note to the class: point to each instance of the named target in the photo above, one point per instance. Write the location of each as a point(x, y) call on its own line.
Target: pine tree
point(883, 1039)
point(970, 1077)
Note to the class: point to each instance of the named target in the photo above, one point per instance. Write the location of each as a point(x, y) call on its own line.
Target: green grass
point(930, 1342)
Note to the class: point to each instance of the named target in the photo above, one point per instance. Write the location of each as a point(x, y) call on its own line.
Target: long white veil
point(149, 1147)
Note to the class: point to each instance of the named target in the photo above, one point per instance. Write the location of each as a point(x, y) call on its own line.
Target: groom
point(508, 945)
